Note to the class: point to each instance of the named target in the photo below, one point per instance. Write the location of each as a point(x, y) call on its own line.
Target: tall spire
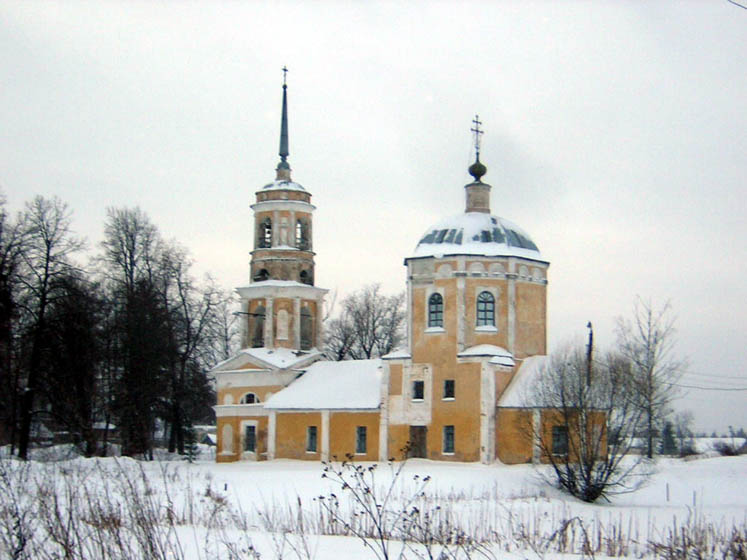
point(283, 168)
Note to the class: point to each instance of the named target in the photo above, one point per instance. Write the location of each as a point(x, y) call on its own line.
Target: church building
point(476, 338)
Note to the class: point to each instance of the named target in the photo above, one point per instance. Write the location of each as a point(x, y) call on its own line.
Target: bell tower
point(282, 307)
point(283, 248)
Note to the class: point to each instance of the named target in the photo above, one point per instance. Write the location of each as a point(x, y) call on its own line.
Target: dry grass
point(115, 510)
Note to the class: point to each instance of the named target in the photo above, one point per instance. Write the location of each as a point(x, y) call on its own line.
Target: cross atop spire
point(477, 169)
point(283, 169)
point(476, 121)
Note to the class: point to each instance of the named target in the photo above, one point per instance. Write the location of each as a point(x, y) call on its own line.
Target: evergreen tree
point(191, 449)
point(667, 445)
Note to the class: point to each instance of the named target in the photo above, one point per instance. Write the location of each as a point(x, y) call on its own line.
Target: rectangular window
point(449, 389)
point(559, 440)
point(250, 438)
point(448, 439)
point(418, 388)
point(311, 439)
point(360, 439)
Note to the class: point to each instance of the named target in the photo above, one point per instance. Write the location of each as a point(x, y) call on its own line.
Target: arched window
point(249, 398)
point(262, 275)
point(436, 310)
point(265, 233)
point(485, 310)
point(306, 278)
point(306, 329)
point(302, 234)
point(257, 327)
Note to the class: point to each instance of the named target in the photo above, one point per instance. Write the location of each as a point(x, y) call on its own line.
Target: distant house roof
point(518, 394)
point(352, 384)
point(500, 356)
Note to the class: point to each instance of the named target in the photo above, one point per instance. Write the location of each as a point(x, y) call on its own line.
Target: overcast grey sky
point(615, 134)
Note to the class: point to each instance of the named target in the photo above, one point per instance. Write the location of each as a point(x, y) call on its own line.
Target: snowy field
point(121, 508)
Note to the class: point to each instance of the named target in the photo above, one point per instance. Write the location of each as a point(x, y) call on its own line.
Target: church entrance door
point(417, 441)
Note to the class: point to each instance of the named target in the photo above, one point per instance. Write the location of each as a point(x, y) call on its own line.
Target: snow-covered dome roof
point(476, 233)
point(282, 185)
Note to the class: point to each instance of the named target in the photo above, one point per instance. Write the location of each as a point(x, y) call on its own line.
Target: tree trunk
point(27, 399)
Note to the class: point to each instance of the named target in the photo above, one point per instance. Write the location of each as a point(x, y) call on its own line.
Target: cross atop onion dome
point(477, 169)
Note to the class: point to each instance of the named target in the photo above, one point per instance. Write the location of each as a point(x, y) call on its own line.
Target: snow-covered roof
point(280, 185)
point(281, 283)
point(519, 391)
point(398, 354)
point(500, 356)
point(476, 233)
point(280, 357)
point(352, 384)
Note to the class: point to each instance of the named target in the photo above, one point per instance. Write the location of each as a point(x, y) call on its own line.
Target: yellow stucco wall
point(513, 435)
point(263, 392)
point(463, 412)
point(342, 434)
point(236, 440)
point(531, 319)
point(395, 379)
point(397, 437)
point(290, 429)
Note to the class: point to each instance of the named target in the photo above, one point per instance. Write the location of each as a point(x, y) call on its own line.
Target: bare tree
point(130, 259)
point(593, 422)
point(50, 246)
point(369, 325)
point(191, 316)
point(647, 342)
point(340, 336)
point(12, 242)
point(224, 330)
point(72, 358)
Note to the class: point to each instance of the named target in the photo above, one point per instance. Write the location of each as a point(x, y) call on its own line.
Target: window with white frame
point(418, 390)
point(360, 439)
point(311, 439)
point(485, 309)
point(448, 389)
point(249, 398)
point(250, 438)
point(448, 439)
point(435, 310)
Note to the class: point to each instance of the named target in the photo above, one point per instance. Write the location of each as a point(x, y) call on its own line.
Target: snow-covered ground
point(274, 506)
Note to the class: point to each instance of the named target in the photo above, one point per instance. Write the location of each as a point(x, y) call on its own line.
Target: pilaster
point(297, 323)
point(325, 435)
point(271, 430)
point(487, 414)
point(269, 324)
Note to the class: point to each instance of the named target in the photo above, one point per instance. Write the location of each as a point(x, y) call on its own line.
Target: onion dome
point(476, 233)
